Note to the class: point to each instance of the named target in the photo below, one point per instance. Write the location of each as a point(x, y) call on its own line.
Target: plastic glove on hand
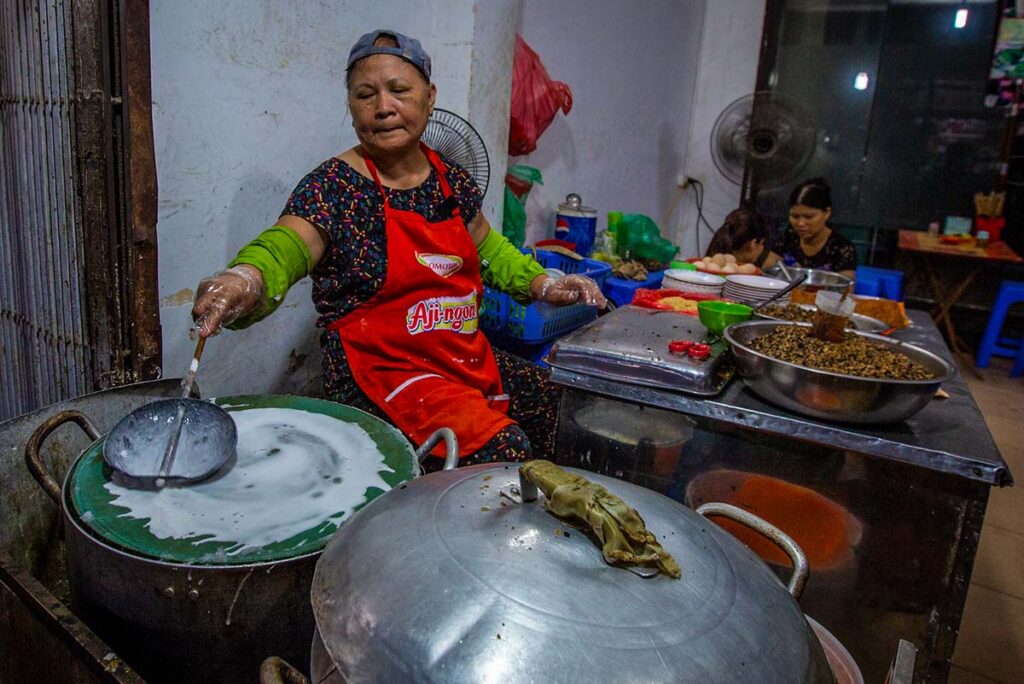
point(571, 289)
point(226, 296)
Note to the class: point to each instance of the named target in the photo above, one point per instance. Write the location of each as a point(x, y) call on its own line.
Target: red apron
point(414, 348)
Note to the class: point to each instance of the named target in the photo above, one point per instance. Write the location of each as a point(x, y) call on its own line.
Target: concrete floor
point(990, 647)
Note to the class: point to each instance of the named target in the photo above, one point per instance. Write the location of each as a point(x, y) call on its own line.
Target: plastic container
point(993, 225)
point(541, 322)
point(832, 315)
point(576, 223)
point(621, 291)
point(717, 315)
point(880, 282)
point(614, 218)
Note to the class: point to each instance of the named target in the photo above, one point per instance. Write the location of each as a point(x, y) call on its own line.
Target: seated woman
point(744, 234)
point(399, 251)
point(810, 242)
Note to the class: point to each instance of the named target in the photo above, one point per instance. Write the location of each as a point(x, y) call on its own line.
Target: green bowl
point(717, 315)
point(683, 265)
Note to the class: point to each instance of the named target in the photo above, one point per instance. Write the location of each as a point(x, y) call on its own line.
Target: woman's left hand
point(568, 289)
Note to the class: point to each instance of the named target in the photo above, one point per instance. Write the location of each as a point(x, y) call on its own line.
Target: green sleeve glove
point(283, 259)
point(505, 268)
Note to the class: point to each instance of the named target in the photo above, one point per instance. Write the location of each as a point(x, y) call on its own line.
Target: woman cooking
point(398, 250)
point(810, 242)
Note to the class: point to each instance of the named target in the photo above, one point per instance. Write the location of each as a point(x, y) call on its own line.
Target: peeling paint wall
point(632, 69)
point(248, 98)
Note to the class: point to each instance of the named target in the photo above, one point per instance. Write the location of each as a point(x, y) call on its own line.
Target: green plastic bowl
point(683, 265)
point(717, 315)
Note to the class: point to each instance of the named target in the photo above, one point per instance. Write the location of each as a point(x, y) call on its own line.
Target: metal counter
point(890, 516)
point(949, 436)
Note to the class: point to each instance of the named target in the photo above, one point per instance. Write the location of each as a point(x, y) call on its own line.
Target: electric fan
point(457, 141)
point(762, 139)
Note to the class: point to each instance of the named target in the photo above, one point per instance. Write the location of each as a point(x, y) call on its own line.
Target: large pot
point(453, 578)
point(185, 610)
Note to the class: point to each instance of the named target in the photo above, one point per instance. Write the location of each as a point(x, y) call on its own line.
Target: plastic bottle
point(614, 218)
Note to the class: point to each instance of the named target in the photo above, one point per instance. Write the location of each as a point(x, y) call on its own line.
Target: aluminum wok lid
point(446, 579)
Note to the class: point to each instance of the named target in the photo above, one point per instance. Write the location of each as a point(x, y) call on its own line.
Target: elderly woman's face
point(390, 103)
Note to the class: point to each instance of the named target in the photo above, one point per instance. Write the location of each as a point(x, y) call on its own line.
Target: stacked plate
point(752, 289)
point(693, 281)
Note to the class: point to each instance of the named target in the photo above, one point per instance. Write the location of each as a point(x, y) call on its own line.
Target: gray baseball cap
point(408, 49)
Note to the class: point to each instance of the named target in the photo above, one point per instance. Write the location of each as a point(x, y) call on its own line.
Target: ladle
point(172, 442)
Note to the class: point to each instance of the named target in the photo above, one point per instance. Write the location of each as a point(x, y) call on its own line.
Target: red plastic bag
point(535, 100)
point(652, 299)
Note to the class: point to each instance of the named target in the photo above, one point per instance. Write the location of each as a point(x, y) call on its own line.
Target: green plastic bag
point(638, 237)
point(518, 182)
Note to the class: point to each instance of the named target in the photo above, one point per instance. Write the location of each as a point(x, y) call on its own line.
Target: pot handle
point(275, 670)
point(451, 458)
point(35, 462)
point(798, 579)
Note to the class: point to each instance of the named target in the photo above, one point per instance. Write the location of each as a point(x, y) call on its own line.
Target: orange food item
point(891, 313)
point(680, 304)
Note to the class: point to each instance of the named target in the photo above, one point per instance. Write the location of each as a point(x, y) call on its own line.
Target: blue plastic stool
point(890, 283)
point(1010, 293)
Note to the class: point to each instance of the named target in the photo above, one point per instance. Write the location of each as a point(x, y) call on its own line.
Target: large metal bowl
point(816, 278)
point(832, 396)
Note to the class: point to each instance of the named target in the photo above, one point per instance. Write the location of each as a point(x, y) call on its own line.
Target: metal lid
point(630, 344)
point(94, 502)
point(445, 579)
point(573, 206)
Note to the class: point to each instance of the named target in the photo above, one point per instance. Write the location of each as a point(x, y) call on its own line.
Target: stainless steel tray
point(630, 344)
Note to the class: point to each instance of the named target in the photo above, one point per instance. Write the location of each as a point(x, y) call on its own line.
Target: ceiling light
point(861, 81)
point(960, 20)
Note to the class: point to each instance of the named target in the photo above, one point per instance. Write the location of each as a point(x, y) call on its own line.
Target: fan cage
point(456, 140)
point(765, 117)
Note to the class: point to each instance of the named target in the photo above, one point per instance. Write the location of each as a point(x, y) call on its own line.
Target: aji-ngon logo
point(458, 314)
point(442, 264)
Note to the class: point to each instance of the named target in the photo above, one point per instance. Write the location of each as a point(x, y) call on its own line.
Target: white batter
point(295, 471)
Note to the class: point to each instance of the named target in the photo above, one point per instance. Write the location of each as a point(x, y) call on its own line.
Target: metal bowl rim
point(812, 307)
point(841, 279)
point(877, 338)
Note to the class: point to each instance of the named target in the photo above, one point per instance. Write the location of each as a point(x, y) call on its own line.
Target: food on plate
point(749, 269)
point(680, 304)
point(855, 355)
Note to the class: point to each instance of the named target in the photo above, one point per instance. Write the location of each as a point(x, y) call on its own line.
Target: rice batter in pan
point(295, 471)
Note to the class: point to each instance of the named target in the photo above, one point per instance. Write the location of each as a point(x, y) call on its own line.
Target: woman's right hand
point(225, 297)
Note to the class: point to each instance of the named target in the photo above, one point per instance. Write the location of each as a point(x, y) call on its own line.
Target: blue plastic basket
point(621, 291)
point(540, 322)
